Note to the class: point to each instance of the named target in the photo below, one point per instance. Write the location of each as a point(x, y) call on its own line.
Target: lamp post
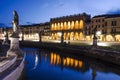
point(40, 36)
point(62, 37)
point(22, 36)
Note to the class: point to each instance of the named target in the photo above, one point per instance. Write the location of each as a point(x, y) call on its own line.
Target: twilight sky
point(38, 11)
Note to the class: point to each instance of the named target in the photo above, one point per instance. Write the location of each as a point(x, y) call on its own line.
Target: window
point(103, 20)
point(113, 23)
point(92, 21)
point(98, 26)
point(102, 31)
point(105, 23)
point(92, 26)
point(103, 26)
point(96, 20)
point(99, 20)
point(113, 30)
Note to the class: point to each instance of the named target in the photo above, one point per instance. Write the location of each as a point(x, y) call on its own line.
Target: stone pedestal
point(14, 48)
point(95, 41)
point(14, 45)
point(94, 46)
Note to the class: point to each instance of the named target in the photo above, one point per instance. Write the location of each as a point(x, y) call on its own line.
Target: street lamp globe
point(98, 33)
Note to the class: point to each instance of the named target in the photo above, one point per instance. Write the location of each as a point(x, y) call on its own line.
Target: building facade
point(108, 28)
point(78, 27)
point(31, 32)
point(72, 27)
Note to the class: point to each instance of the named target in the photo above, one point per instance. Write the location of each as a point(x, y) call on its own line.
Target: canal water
point(50, 65)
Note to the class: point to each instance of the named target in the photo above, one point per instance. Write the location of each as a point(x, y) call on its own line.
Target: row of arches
point(68, 36)
point(104, 38)
point(67, 25)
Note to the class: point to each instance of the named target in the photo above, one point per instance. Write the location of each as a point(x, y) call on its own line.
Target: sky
point(40, 11)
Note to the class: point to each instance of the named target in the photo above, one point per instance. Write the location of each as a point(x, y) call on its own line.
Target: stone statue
point(14, 44)
point(95, 30)
point(95, 38)
point(15, 24)
point(15, 21)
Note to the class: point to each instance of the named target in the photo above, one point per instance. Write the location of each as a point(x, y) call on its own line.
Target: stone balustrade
point(5, 64)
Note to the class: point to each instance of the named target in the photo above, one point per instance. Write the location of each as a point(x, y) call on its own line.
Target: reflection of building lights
point(51, 60)
point(68, 61)
point(56, 60)
point(64, 62)
point(36, 61)
point(76, 63)
point(80, 64)
point(72, 62)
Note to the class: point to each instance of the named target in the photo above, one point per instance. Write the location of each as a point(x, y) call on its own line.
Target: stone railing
point(15, 74)
point(5, 64)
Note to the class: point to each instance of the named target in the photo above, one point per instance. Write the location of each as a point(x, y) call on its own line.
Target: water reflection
point(36, 61)
point(63, 61)
point(60, 66)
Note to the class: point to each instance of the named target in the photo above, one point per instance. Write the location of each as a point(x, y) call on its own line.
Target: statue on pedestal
point(14, 45)
point(95, 38)
point(15, 24)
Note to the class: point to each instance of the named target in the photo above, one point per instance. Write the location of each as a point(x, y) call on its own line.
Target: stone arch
point(109, 38)
point(72, 25)
point(53, 36)
point(58, 25)
point(81, 36)
point(117, 37)
point(68, 36)
point(52, 27)
point(81, 24)
point(55, 27)
point(76, 24)
point(65, 35)
point(76, 36)
point(61, 25)
point(72, 36)
point(68, 25)
point(65, 25)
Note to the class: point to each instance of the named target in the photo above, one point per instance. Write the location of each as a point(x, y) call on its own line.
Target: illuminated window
point(81, 24)
point(76, 25)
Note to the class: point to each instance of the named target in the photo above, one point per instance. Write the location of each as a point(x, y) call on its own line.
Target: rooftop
point(108, 15)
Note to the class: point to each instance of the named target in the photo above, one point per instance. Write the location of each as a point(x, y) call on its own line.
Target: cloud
point(28, 22)
point(59, 3)
point(115, 11)
point(45, 5)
